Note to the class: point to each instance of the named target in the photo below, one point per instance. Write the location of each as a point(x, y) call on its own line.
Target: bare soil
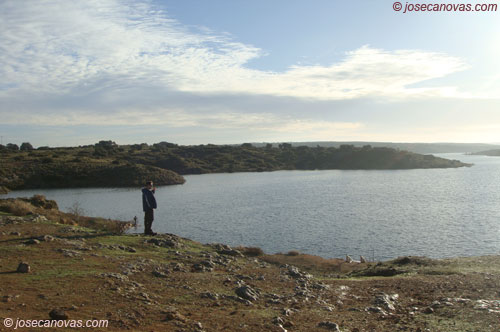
point(167, 283)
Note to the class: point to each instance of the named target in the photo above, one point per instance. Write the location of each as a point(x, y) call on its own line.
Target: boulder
point(330, 326)
point(247, 293)
point(32, 241)
point(23, 268)
point(58, 314)
point(386, 301)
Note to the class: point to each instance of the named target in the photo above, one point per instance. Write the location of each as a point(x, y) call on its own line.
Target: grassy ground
point(138, 285)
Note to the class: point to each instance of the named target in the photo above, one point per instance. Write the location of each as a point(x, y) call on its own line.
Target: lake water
point(380, 214)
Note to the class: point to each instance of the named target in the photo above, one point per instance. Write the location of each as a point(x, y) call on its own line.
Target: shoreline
point(166, 282)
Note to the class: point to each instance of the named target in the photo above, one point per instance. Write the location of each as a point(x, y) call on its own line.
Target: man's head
point(149, 184)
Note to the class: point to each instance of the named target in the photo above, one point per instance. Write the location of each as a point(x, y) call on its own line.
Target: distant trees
point(142, 146)
point(26, 146)
point(104, 148)
point(164, 144)
point(285, 146)
point(106, 144)
point(13, 147)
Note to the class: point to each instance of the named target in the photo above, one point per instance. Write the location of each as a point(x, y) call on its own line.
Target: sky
point(233, 71)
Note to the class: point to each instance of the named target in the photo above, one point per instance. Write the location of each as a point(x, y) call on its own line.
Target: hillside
point(491, 153)
point(168, 283)
point(106, 164)
point(423, 148)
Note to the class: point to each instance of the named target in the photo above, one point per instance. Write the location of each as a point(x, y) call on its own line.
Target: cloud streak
point(86, 46)
point(120, 62)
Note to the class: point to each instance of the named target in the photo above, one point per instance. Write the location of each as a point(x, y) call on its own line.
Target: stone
point(377, 310)
point(362, 259)
point(208, 263)
point(281, 328)
point(428, 311)
point(295, 273)
point(32, 241)
point(7, 298)
point(174, 316)
point(15, 233)
point(69, 252)
point(231, 252)
point(166, 243)
point(58, 314)
point(23, 268)
point(386, 301)
point(204, 266)
point(117, 276)
point(159, 274)
point(247, 293)
point(47, 238)
point(198, 326)
point(39, 219)
point(329, 325)
point(278, 320)
point(208, 295)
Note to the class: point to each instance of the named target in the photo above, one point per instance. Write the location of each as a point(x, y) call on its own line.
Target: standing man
point(148, 204)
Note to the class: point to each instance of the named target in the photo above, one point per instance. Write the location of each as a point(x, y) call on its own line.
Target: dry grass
point(39, 205)
point(251, 251)
point(304, 261)
point(16, 207)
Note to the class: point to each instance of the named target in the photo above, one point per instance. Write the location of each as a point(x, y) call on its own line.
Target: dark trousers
point(148, 221)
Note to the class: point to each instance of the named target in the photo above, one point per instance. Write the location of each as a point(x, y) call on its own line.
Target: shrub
point(251, 251)
point(293, 253)
point(76, 211)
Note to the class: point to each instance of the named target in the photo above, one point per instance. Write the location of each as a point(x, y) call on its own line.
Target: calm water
point(385, 214)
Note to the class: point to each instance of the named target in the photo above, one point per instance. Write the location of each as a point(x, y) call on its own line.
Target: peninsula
point(107, 164)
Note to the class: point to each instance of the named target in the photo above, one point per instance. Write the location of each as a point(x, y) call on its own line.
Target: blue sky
point(198, 72)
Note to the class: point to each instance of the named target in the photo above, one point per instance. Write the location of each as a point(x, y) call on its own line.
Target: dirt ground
point(167, 283)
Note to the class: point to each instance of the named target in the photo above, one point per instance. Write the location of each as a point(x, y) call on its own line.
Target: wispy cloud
point(87, 46)
point(119, 62)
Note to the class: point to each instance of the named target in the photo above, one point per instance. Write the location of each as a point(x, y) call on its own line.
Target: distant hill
point(424, 148)
point(107, 164)
point(493, 153)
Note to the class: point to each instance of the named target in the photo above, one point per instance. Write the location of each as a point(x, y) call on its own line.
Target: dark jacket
point(148, 200)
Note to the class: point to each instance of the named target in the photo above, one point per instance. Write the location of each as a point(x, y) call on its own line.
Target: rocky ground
point(168, 283)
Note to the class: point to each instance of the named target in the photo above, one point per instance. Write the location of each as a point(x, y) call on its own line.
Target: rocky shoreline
point(170, 283)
